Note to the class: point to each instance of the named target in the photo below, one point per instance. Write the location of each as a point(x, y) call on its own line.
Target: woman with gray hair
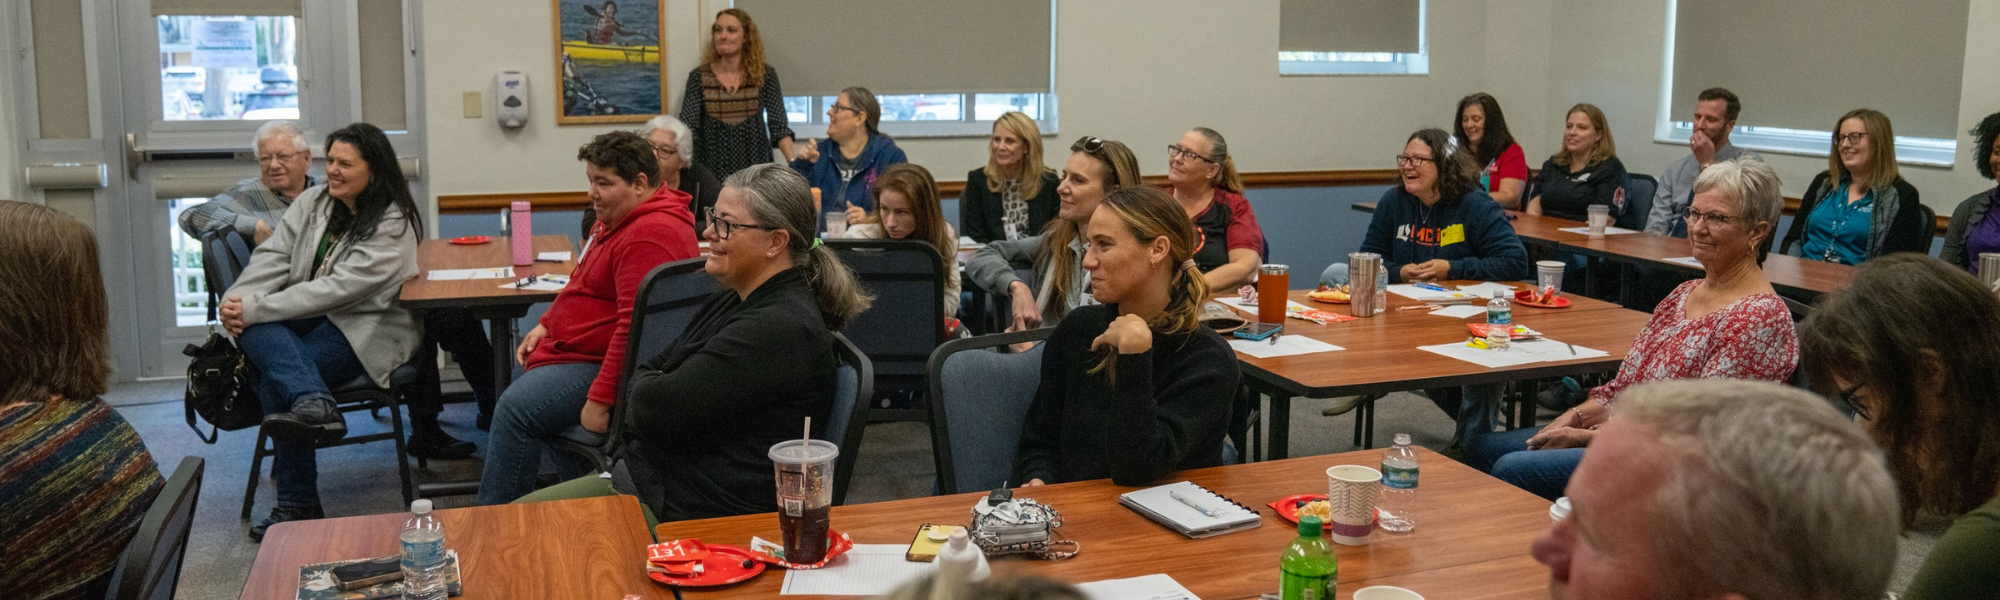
point(673, 144)
point(1729, 324)
point(755, 361)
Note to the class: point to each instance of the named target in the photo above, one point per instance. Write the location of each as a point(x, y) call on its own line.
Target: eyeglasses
point(666, 150)
point(1850, 397)
point(723, 227)
point(838, 106)
point(1695, 217)
point(280, 157)
point(1177, 151)
point(1405, 160)
point(1851, 138)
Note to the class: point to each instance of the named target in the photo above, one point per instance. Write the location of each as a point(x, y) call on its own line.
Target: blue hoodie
point(1471, 233)
point(825, 174)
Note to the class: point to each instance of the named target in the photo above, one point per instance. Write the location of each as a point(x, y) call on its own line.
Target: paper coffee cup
point(1351, 491)
point(1386, 592)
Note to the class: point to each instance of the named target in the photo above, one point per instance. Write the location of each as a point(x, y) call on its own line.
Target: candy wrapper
point(774, 553)
point(1319, 316)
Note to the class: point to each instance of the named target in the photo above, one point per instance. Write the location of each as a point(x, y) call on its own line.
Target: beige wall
point(1142, 72)
point(11, 145)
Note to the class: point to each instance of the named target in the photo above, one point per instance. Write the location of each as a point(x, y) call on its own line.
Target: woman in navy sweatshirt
point(1437, 224)
point(845, 164)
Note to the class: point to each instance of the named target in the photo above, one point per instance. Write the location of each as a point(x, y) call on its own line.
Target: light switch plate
point(475, 105)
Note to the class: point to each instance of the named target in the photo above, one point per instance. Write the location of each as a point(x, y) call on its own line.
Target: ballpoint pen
point(1205, 511)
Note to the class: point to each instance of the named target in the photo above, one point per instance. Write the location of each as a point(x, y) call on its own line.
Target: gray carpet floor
point(895, 464)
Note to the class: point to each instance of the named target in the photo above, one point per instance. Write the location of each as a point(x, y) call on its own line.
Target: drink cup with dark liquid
point(804, 469)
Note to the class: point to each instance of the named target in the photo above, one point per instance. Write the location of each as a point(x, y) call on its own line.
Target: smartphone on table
point(930, 538)
point(1259, 331)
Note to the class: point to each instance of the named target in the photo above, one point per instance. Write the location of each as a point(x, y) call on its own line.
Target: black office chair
point(669, 298)
point(906, 322)
point(979, 401)
point(1639, 189)
point(151, 564)
point(855, 384)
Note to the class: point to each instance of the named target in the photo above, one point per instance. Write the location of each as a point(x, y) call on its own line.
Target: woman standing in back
point(733, 101)
point(75, 480)
point(1482, 133)
point(1014, 195)
point(1860, 208)
point(1586, 172)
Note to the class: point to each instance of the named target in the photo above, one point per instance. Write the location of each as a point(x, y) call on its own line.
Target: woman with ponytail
point(1206, 185)
point(1133, 388)
point(1096, 167)
point(755, 361)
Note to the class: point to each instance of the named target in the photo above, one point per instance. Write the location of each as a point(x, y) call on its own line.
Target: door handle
point(133, 155)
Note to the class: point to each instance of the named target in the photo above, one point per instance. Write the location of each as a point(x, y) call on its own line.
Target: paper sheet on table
point(1459, 311)
point(866, 570)
point(1251, 307)
point(1607, 230)
point(1287, 345)
point(1485, 289)
point(1687, 260)
point(457, 274)
point(542, 283)
point(1158, 586)
point(1521, 352)
point(1413, 292)
point(553, 256)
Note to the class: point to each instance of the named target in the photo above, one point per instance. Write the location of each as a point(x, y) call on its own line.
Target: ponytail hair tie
point(816, 243)
point(1189, 264)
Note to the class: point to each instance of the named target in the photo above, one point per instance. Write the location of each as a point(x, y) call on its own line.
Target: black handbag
point(221, 385)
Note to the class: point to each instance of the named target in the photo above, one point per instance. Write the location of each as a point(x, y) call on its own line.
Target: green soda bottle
point(1307, 567)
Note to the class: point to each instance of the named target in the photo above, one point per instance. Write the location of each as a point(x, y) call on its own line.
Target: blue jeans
point(1473, 407)
point(296, 359)
point(542, 403)
point(1506, 456)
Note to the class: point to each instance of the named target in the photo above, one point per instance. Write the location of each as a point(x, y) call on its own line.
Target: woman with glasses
point(754, 363)
point(1204, 181)
point(1481, 130)
point(1135, 387)
point(1860, 207)
point(575, 356)
point(1096, 167)
point(672, 145)
point(845, 164)
point(1728, 325)
point(1912, 347)
point(1014, 195)
point(733, 100)
point(1586, 172)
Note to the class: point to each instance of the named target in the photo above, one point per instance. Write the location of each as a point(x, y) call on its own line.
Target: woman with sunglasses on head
point(1860, 207)
point(1204, 181)
point(1912, 347)
point(908, 209)
point(844, 166)
point(1014, 195)
point(1728, 325)
point(1096, 167)
point(733, 101)
point(1135, 387)
point(754, 363)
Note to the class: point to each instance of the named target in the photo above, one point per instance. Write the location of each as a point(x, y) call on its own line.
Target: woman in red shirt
point(1728, 325)
point(1205, 184)
point(1482, 131)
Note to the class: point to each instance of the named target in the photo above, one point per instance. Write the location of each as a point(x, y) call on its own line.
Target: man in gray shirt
point(253, 206)
point(1715, 111)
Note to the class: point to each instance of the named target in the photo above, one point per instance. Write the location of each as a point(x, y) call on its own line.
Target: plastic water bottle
point(1499, 321)
point(423, 554)
point(962, 560)
point(1307, 568)
point(1399, 486)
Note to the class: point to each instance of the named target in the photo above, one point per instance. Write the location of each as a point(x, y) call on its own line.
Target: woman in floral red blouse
point(1729, 325)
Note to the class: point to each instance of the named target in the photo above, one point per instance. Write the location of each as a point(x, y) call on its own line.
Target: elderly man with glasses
point(253, 205)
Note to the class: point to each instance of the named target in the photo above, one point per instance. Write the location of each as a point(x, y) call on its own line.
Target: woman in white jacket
point(317, 306)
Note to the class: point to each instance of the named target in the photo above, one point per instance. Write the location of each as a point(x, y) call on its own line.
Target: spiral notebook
point(1192, 510)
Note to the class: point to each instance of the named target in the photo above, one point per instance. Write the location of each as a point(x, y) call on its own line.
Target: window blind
point(1348, 26)
point(903, 47)
point(217, 8)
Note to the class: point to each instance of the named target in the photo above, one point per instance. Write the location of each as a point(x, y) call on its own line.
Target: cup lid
point(803, 451)
point(1275, 269)
point(1553, 264)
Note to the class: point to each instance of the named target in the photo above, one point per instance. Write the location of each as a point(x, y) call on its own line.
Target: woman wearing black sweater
point(1014, 195)
point(1133, 388)
point(754, 362)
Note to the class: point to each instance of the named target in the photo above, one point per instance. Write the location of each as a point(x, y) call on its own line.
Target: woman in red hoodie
point(573, 357)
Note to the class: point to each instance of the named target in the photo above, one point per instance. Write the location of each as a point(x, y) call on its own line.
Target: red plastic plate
point(471, 240)
point(723, 566)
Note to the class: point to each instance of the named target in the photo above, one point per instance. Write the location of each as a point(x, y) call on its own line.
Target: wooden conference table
point(484, 297)
point(1789, 274)
point(1381, 353)
point(588, 549)
point(1472, 538)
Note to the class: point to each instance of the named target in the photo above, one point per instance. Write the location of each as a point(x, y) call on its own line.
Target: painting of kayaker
point(608, 58)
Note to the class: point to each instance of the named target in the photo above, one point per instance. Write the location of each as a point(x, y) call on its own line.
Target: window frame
point(1346, 64)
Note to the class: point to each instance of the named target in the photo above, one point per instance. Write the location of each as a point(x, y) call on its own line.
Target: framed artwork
point(610, 64)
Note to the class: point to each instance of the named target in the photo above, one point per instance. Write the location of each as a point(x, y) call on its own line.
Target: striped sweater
point(75, 480)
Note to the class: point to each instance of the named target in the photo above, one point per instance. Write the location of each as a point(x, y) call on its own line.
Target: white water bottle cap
point(422, 507)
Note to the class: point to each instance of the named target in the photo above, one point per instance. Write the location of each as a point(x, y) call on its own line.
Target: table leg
point(501, 332)
point(1281, 424)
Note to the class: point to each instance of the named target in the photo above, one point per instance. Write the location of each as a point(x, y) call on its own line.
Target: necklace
point(1846, 212)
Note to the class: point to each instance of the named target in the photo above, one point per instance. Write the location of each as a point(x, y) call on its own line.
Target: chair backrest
point(855, 383)
point(224, 254)
point(1929, 216)
point(906, 322)
point(979, 401)
point(151, 564)
point(1639, 189)
point(669, 298)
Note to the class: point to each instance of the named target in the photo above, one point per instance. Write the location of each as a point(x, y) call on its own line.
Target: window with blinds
point(1352, 37)
point(1800, 64)
point(979, 59)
